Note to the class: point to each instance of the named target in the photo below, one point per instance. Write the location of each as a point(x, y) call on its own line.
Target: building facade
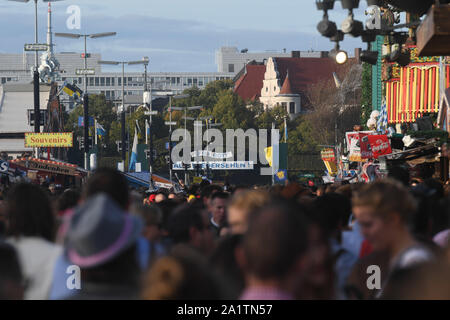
point(17, 68)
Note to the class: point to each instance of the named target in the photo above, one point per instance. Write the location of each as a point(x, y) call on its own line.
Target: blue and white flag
point(383, 119)
point(100, 130)
point(133, 158)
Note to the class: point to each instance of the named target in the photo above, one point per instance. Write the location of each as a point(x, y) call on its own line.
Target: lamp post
point(171, 95)
point(123, 110)
point(185, 127)
point(208, 126)
point(37, 111)
point(85, 94)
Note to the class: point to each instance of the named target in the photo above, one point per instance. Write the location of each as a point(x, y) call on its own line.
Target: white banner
point(216, 165)
point(210, 154)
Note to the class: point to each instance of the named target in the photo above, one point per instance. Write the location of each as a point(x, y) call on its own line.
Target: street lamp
point(85, 95)
point(208, 126)
point(37, 111)
point(185, 129)
point(122, 118)
point(171, 95)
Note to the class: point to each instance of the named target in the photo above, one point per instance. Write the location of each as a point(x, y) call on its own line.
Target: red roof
point(286, 88)
point(249, 86)
point(305, 71)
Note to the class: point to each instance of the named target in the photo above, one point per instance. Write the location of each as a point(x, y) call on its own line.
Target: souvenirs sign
point(54, 140)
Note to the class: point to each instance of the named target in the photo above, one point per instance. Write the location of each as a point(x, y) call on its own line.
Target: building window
point(195, 81)
point(91, 81)
point(119, 81)
point(231, 67)
point(189, 81)
point(113, 81)
point(97, 82)
point(267, 89)
point(108, 81)
point(284, 105)
point(291, 107)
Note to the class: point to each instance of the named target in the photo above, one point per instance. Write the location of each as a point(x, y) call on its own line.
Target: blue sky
point(177, 35)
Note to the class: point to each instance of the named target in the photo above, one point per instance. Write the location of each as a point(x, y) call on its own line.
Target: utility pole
point(148, 105)
point(170, 138)
point(85, 94)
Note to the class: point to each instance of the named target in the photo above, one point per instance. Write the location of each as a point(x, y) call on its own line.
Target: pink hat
point(442, 239)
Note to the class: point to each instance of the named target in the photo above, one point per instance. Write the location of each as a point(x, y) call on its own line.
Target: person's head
point(218, 207)
point(160, 197)
point(29, 212)
point(182, 275)
point(275, 242)
point(68, 200)
point(187, 225)
point(172, 196)
point(383, 211)
point(240, 207)
point(224, 262)
point(111, 182)
point(102, 241)
point(400, 174)
point(152, 217)
point(332, 212)
point(11, 279)
point(52, 188)
point(167, 208)
point(207, 191)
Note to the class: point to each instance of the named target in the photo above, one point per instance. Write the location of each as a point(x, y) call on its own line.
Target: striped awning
point(416, 92)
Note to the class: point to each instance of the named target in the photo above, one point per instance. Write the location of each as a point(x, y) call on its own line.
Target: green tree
point(366, 99)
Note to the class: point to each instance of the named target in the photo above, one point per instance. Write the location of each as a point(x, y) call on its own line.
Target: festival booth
point(57, 172)
point(141, 179)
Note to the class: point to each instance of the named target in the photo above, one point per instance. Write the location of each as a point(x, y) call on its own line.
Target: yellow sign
point(54, 140)
point(198, 179)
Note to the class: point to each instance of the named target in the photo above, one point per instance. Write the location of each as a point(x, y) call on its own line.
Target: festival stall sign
point(47, 166)
point(49, 139)
point(353, 144)
point(380, 145)
point(414, 90)
point(366, 149)
point(328, 155)
point(331, 167)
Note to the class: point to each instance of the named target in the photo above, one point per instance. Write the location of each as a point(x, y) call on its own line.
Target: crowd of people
point(387, 239)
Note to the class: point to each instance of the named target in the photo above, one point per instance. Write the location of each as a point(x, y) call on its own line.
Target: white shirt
point(37, 259)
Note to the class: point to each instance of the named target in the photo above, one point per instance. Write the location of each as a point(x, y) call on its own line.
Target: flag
point(147, 131)
point(100, 130)
point(268, 152)
point(137, 126)
point(133, 159)
point(72, 90)
point(383, 119)
point(285, 130)
point(281, 176)
point(81, 121)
